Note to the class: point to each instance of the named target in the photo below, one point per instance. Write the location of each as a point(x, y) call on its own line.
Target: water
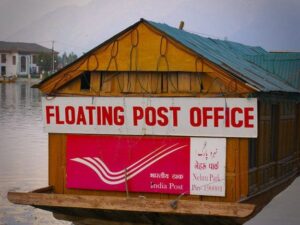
point(23, 152)
point(282, 210)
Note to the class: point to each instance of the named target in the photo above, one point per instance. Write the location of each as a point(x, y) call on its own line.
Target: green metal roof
point(230, 56)
point(285, 65)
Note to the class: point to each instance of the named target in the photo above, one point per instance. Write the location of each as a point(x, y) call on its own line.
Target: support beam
point(132, 204)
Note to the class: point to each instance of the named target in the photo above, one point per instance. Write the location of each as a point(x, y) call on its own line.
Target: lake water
point(24, 163)
point(23, 152)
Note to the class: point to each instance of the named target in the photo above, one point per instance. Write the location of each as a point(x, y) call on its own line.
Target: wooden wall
point(155, 84)
point(236, 172)
point(298, 132)
point(274, 154)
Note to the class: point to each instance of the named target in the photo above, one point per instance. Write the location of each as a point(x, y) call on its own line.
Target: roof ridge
point(210, 38)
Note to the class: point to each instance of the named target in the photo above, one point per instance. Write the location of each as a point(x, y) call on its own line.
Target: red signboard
point(140, 163)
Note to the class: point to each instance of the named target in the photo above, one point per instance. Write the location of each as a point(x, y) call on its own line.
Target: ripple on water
point(23, 153)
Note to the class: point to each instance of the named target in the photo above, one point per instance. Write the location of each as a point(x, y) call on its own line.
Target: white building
point(20, 59)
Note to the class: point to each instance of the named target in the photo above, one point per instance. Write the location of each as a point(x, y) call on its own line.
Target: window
point(3, 58)
point(34, 59)
point(23, 63)
point(3, 70)
point(14, 60)
point(85, 83)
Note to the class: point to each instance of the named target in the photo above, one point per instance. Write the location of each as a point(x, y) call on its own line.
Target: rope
point(199, 74)
point(134, 45)
point(201, 84)
point(163, 57)
point(134, 48)
point(113, 57)
point(113, 54)
point(68, 73)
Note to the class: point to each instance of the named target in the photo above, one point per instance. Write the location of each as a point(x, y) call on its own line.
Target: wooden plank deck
point(184, 207)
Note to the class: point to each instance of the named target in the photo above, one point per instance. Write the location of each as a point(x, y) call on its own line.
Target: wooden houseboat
point(161, 125)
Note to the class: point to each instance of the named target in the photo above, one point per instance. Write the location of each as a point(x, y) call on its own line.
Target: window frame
point(14, 60)
point(3, 58)
point(85, 81)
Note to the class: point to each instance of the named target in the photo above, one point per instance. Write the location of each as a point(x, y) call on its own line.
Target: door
point(23, 64)
point(3, 70)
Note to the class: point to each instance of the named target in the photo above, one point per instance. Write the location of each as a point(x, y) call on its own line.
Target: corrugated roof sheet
point(285, 64)
point(22, 47)
point(231, 57)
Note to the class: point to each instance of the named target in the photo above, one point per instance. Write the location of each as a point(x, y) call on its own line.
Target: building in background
point(22, 59)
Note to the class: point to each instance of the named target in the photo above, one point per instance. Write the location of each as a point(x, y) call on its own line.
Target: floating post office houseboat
point(166, 125)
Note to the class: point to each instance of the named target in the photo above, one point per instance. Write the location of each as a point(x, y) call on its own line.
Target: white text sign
point(218, 117)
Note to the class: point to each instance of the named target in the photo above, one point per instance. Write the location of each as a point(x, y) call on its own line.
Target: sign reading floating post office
point(208, 117)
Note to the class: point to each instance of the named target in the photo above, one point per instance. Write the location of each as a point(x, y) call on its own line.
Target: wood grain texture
point(57, 162)
point(154, 83)
point(298, 133)
point(244, 168)
point(132, 204)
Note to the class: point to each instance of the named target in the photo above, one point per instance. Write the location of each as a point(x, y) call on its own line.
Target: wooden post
point(181, 25)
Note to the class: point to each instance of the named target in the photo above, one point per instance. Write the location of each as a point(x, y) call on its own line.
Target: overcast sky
point(79, 25)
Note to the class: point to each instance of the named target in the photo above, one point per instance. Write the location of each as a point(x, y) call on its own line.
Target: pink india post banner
point(151, 163)
point(172, 165)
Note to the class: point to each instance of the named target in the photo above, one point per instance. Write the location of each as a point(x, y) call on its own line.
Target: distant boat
point(8, 79)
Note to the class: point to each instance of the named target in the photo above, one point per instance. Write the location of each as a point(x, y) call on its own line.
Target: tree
point(45, 62)
point(66, 59)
